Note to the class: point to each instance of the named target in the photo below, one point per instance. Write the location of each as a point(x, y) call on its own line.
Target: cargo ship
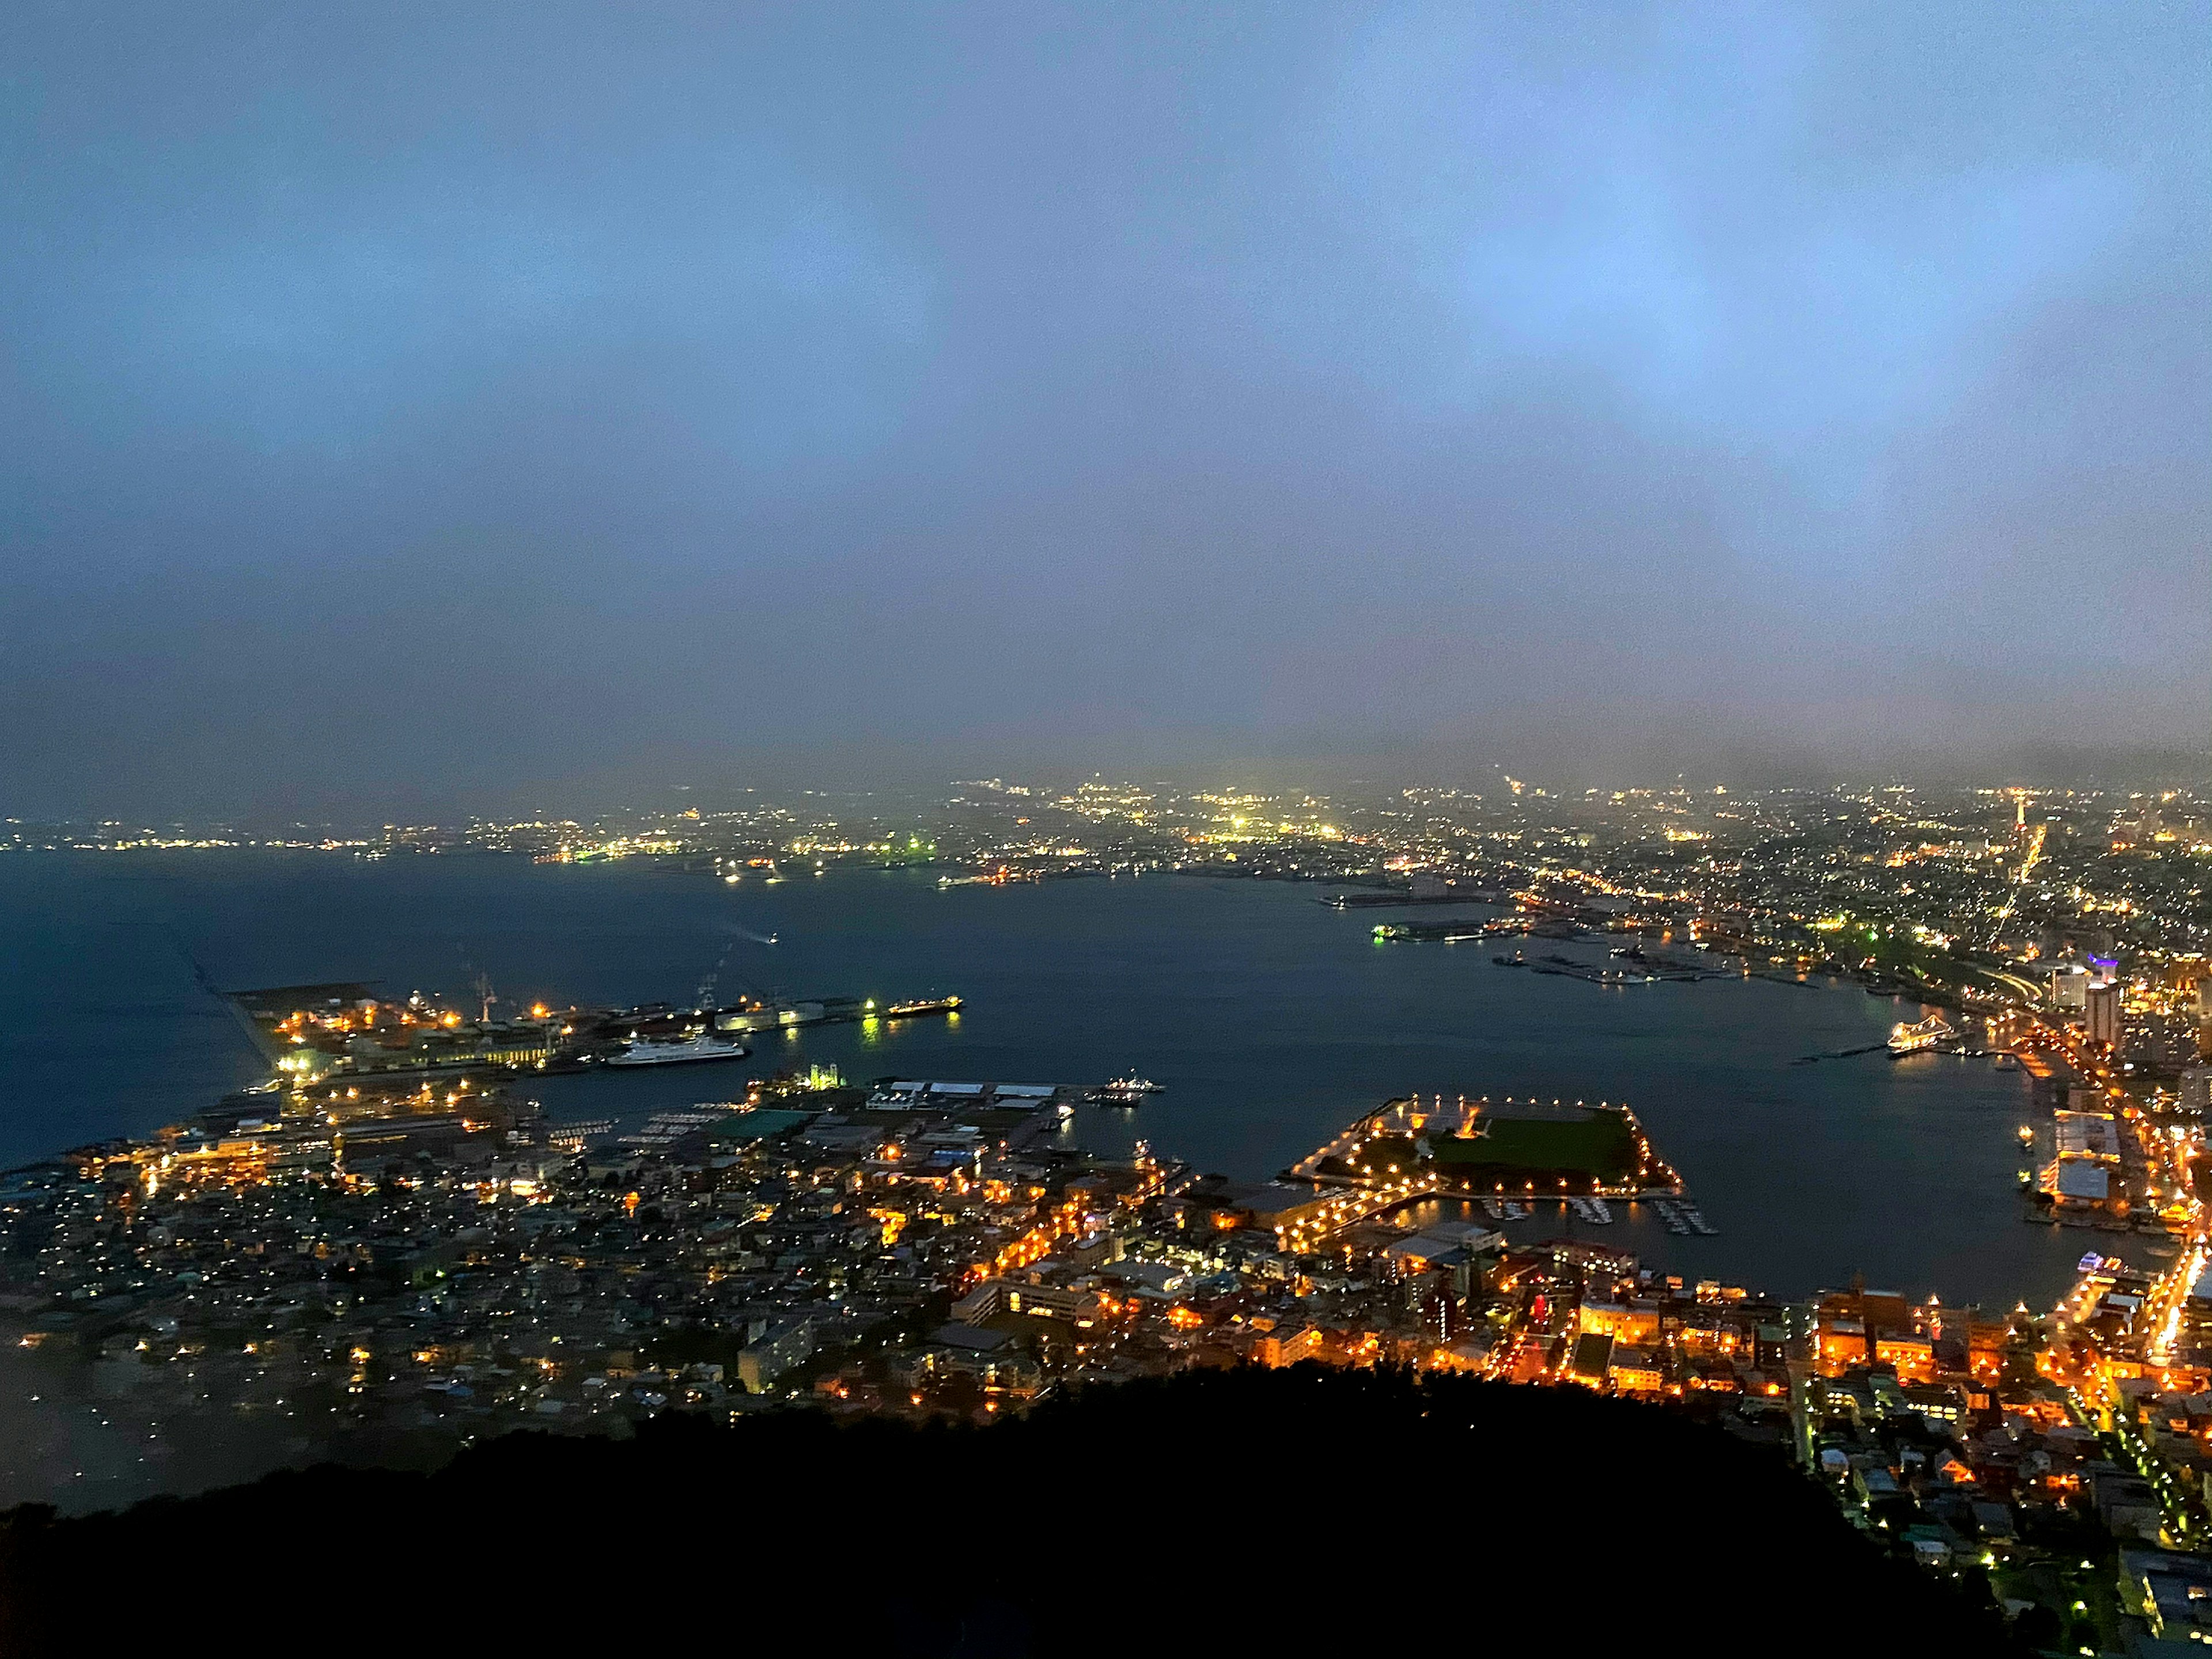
point(1451, 932)
point(678, 1051)
point(925, 1005)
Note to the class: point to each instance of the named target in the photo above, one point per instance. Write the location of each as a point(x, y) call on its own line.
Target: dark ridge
point(1243, 1512)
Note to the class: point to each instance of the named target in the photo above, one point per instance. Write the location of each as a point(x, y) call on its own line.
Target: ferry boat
point(925, 1005)
point(1905, 1039)
point(678, 1051)
point(1126, 1090)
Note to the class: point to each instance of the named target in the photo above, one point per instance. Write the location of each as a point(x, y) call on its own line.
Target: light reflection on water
point(1271, 1020)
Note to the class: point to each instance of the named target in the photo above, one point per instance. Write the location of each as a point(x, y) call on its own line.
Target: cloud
point(730, 382)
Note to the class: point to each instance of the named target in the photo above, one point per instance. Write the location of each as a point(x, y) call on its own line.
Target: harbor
point(308, 1033)
point(1269, 1018)
point(1680, 1215)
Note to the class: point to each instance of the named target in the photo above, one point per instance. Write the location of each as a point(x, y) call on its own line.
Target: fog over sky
point(453, 402)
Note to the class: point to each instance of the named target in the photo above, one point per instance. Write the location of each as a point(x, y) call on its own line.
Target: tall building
point(2196, 1091)
point(2101, 1004)
point(2068, 985)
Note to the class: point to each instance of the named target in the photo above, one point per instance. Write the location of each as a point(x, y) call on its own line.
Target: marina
point(1682, 1218)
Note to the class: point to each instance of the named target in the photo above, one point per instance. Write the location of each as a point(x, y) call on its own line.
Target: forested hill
point(1232, 1513)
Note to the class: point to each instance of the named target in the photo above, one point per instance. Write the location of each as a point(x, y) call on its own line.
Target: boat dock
point(1057, 1100)
point(1683, 1219)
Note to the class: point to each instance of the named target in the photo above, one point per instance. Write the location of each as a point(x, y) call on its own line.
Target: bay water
point(1270, 1019)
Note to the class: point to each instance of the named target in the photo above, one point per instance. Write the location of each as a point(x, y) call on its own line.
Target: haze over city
point(452, 405)
point(1003, 827)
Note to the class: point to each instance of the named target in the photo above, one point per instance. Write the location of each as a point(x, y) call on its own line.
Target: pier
point(309, 1033)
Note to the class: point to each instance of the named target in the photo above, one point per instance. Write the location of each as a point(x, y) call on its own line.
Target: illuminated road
point(2028, 990)
point(1353, 1206)
point(2020, 882)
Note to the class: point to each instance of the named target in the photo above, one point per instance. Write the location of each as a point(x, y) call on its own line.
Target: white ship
point(678, 1051)
point(1125, 1090)
point(1910, 1039)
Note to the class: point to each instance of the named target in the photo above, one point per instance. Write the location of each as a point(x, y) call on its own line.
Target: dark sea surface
point(1271, 1020)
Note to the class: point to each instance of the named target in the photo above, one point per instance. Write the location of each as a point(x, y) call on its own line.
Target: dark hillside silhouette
point(1237, 1512)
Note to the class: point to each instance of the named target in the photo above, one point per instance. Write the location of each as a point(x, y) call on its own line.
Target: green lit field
point(1578, 1145)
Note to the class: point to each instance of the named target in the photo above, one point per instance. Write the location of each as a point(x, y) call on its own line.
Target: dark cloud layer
point(448, 402)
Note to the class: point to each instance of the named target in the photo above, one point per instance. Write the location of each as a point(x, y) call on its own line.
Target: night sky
point(540, 402)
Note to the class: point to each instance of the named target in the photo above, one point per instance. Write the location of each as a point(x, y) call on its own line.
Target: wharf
point(306, 1033)
point(1559, 966)
point(1841, 1054)
point(1688, 970)
point(1394, 899)
point(1956, 1050)
point(1056, 1100)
